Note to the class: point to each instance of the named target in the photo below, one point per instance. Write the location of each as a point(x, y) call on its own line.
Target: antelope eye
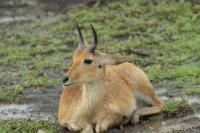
point(87, 61)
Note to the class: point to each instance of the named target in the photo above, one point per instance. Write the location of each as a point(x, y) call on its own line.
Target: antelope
point(101, 89)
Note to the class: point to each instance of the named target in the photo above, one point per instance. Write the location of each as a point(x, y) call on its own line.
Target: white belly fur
point(141, 97)
point(131, 109)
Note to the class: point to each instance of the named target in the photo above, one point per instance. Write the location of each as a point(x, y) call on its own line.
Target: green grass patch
point(10, 93)
point(185, 71)
point(190, 71)
point(45, 81)
point(26, 126)
point(177, 107)
point(193, 91)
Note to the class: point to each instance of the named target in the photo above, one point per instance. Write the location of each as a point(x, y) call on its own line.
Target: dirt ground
point(42, 103)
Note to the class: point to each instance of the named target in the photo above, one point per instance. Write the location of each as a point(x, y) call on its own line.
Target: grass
point(26, 126)
point(180, 74)
point(177, 108)
point(193, 91)
point(9, 94)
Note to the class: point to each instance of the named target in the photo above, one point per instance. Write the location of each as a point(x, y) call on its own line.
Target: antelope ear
point(112, 59)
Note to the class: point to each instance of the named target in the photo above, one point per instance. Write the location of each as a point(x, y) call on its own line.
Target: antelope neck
point(93, 92)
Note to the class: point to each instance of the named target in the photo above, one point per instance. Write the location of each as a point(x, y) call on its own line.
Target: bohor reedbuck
point(101, 89)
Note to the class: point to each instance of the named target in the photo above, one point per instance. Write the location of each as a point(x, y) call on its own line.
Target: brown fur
point(102, 96)
point(100, 89)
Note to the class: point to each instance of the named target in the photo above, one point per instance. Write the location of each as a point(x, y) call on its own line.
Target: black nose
point(65, 79)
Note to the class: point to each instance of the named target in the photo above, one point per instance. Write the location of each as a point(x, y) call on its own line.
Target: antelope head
point(88, 63)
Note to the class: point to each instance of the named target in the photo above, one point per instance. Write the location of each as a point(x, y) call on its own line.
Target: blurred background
point(38, 38)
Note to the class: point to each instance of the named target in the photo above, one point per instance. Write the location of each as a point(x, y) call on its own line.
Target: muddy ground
point(42, 103)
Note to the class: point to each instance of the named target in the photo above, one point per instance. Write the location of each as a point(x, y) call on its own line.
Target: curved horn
point(94, 45)
point(81, 44)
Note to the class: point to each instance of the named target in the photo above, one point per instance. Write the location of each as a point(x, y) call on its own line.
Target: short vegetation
point(26, 126)
point(177, 108)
